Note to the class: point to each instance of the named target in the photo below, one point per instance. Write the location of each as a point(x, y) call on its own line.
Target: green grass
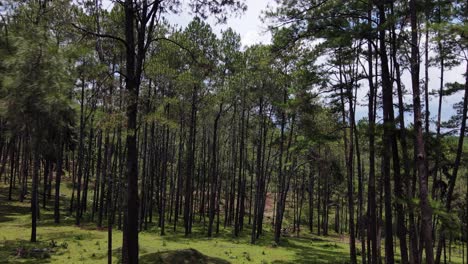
point(86, 244)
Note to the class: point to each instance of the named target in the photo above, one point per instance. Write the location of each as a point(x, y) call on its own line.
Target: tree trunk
point(58, 178)
point(387, 138)
point(190, 164)
point(426, 210)
point(281, 176)
point(80, 156)
point(130, 241)
point(371, 210)
point(456, 166)
point(34, 194)
point(109, 203)
point(214, 172)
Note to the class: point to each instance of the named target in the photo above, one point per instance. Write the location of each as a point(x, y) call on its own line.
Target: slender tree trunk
point(311, 199)
point(214, 172)
point(349, 154)
point(240, 189)
point(372, 227)
point(80, 156)
point(190, 164)
point(104, 169)
point(58, 178)
point(413, 245)
point(84, 200)
point(426, 211)
point(97, 181)
point(281, 176)
point(164, 177)
point(109, 203)
point(456, 166)
point(179, 174)
point(360, 224)
point(34, 195)
point(387, 138)
point(11, 149)
point(259, 176)
point(441, 50)
point(44, 184)
point(130, 241)
point(144, 157)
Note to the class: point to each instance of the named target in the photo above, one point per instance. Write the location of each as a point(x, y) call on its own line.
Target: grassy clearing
point(67, 243)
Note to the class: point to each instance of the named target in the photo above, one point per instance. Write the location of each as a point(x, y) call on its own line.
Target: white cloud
point(248, 25)
point(253, 37)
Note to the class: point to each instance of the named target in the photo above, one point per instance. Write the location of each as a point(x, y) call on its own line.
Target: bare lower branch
point(100, 35)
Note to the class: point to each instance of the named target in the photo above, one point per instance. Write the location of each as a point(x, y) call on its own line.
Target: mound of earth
point(183, 256)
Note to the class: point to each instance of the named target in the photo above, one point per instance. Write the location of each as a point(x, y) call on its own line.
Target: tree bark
point(456, 166)
point(58, 178)
point(426, 210)
point(34, 194)
point(387, 92)
point(130, 241)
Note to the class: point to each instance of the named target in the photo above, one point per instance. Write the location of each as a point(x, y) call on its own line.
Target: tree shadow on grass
point(307, 249)
point(182, 256)
point(70, 236)
point(199, 234)
point(327, 252)
point(9, 211)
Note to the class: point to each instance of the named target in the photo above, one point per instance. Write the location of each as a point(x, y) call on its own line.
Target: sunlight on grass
point(67, 243)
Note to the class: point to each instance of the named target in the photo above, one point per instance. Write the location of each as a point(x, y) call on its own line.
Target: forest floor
point(68, 243)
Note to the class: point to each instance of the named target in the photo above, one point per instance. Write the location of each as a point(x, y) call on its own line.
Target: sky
point(249, 25)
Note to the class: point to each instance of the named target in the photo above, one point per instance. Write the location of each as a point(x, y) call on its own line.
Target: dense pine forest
point(127, 138)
